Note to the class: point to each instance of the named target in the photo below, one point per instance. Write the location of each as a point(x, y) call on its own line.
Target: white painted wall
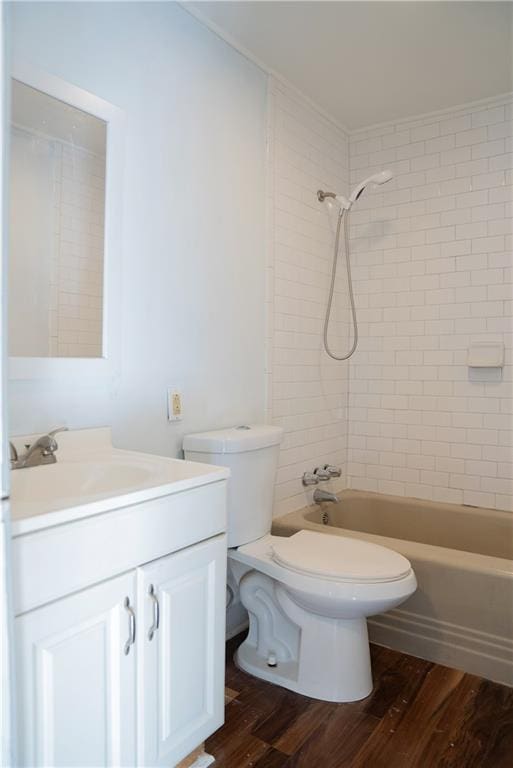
point(307, 391)
point(433, 272)
point(193, 223)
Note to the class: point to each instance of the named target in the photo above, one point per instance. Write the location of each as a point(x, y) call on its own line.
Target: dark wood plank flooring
point(420, 715)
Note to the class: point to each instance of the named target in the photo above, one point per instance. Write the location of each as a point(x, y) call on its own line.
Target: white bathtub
point(462, 612)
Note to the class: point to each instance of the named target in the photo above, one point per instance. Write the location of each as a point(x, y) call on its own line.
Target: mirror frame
point(80, 368)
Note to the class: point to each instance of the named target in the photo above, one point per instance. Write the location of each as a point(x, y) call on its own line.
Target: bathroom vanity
point(119, 563)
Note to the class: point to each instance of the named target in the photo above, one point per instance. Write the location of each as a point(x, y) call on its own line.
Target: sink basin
point(90, 477)
point(70, 481)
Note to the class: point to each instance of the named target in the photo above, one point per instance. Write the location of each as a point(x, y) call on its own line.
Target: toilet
point(308, 595)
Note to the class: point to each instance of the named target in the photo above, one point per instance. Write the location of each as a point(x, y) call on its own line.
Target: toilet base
point(286, 675)
point(333, 661)
point(283, 674)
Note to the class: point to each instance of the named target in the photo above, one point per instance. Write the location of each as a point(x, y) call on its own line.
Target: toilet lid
point(339, 558)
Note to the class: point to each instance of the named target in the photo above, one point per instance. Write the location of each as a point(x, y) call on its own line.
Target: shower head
point(377, 178)
point(344, 202)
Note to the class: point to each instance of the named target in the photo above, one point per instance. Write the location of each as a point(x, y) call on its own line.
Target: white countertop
point(91, 477)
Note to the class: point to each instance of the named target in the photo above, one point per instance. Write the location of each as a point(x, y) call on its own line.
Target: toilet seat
point(338, 558)
point(260, 556)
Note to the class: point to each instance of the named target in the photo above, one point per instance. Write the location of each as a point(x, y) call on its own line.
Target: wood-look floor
point(420, 715)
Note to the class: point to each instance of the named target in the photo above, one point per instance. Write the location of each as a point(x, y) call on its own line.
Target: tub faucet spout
point(320, 496)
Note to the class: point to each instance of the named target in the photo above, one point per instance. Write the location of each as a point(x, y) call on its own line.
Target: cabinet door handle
point(131, 626)
point(156, 612)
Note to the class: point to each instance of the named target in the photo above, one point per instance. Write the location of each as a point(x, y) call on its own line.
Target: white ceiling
point(371, 62)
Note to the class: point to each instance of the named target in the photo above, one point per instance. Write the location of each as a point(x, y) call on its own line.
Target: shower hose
point(342, 218)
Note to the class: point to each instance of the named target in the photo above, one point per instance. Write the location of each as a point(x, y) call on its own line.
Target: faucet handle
point(49, 443)
point(322, 473)
point(310, 478)
point(57, 429)
point(332, 471)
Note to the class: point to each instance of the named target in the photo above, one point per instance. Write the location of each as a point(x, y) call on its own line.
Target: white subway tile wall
point(77, 280)
point(433, 272)
point(306, 391)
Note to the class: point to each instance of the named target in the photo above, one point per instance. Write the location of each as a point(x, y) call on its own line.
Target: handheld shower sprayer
point(346, 202)
point(378, 178)
point(345, 206)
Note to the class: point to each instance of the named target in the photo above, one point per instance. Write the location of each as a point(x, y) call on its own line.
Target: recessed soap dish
point(486, 354)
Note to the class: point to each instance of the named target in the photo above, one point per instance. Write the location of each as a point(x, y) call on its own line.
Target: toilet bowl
point(308, 597)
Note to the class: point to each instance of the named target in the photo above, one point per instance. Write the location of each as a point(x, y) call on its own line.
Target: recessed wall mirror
point(57, 227)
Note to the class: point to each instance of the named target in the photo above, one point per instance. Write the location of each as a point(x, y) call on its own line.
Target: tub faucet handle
point(332, 471)
point(310, 478)
point(322, 473)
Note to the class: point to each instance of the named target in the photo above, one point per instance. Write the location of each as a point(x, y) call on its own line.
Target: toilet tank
point(251, 453)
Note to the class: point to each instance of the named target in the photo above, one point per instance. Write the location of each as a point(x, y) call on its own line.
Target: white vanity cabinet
point(75, 684)
point(120, 646)
point(181, 671)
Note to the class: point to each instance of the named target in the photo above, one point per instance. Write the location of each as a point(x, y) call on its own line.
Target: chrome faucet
point(42, 451)
point(319, 496)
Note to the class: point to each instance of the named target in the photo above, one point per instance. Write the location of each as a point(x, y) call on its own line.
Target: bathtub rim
point(291, 522)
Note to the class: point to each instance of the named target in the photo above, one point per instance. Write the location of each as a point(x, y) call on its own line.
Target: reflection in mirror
point(57, 204)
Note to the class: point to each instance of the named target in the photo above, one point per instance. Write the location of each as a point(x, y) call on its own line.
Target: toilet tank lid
point(245, 437)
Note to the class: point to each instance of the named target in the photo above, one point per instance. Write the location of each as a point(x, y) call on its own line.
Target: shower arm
point(344, 203)
point(322, 195)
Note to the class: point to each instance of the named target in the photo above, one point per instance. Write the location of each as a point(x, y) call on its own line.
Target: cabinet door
point(76, 684)
point(181, 668)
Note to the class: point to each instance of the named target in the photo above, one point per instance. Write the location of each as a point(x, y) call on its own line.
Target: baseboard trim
point(470, 650)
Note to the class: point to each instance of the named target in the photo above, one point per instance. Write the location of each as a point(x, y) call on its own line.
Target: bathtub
point(462, 612)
